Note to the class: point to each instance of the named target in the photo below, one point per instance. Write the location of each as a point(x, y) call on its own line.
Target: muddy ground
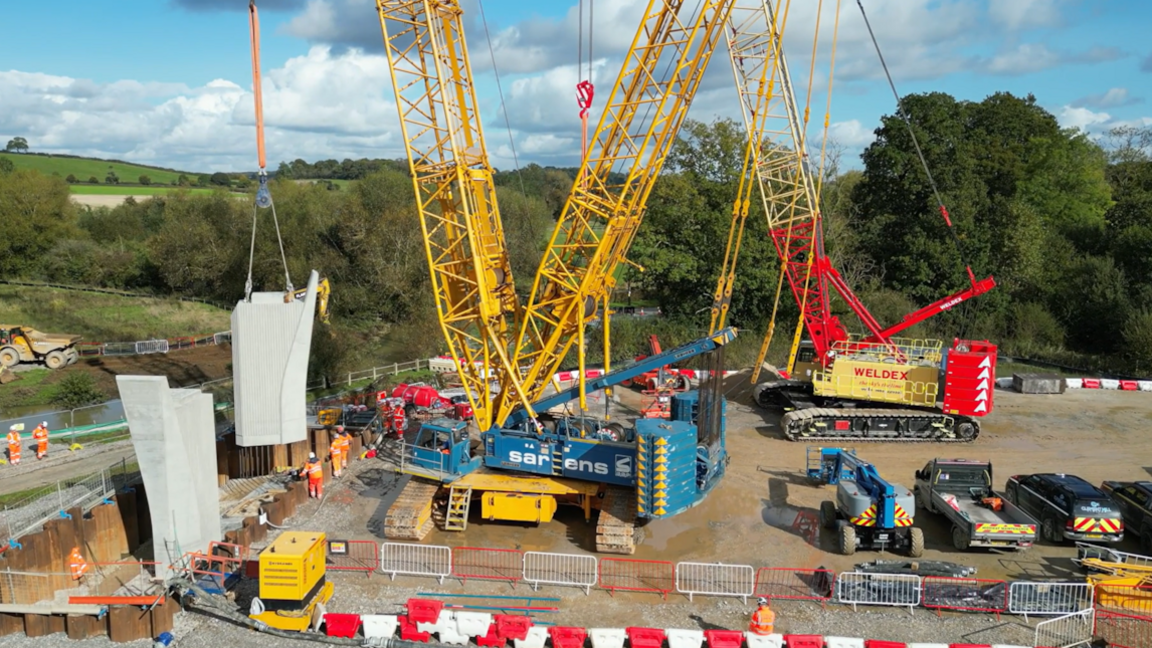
point(184, 368)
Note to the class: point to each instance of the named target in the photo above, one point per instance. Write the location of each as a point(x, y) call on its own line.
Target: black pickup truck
point(1068, 507)
point(1135, 500)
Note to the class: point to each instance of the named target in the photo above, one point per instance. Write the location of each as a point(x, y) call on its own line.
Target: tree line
point(1061, 221)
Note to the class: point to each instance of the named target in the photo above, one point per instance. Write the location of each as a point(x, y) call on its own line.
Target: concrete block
point(764, 641)
point(173, 433)
point(271, 341)
point(1038, 383)
point(684, 638)
point(379, 626)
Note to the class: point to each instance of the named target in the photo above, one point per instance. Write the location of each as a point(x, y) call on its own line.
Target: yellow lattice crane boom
point(455, 193)
point(638, 125)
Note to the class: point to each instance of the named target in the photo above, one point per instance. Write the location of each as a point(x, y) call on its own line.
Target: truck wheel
point(9, 357)
point(960, 540)
point(1048, 530)
point(54, 360)
point(828, 515)
point(847, 539)
point(916, 544)
point(1146, 542)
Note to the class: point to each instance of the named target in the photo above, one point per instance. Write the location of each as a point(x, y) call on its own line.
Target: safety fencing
point(967, 594)
point(415, 560)
point(487, 564)
point(1125, 599)
point(30, 513)
point(560, 569)
point(1124, 630)
point(1048, 599)
point(620, 574)
point(25, 588)
point(1066, 631)
point(715, 579)
point(796, 584)
point(895, 590)
point(353, 555)
point(145, 347)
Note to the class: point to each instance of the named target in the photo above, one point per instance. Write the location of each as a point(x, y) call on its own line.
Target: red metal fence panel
point(801, 584)
point(970, 594)
point(353, 555)
point(636, 576)
point(1124, 630)
point(487, 564)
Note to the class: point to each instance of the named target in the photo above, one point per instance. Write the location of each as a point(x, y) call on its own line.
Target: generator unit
point(293, 587)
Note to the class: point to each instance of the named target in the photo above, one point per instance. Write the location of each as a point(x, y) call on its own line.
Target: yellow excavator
point(323, 290)
point(25, 345)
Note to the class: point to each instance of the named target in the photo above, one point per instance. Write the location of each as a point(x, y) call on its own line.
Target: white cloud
point(851, 134)
point(1024, 59)
point(1114, 97)
point(1082, 118)
point(1017, 14)
point(317, 105)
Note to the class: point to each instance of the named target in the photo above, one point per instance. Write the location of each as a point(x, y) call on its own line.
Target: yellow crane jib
point(455, 193)
point(638, 125)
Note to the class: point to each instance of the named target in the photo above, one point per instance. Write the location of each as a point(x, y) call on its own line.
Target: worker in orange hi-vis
point(399, 420)
point(336, 450)
point(763, 619)
point(345, 446)
point(76, 564)
point(315, 472)
point(40, 434)
point(13, 446)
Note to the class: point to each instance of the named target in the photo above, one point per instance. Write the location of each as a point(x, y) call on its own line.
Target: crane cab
point(441, 449)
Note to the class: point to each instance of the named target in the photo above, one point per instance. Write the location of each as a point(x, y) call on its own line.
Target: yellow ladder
point(459, 501)
point(557, 461)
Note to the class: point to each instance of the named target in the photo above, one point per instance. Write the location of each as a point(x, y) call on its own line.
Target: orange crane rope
point(254, 26)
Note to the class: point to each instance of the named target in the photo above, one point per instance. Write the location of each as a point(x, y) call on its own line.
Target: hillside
point(84, 168)
point(101, 317)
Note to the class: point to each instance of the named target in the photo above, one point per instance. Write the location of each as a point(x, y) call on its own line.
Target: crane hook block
point(263, 196)
point(584, 93)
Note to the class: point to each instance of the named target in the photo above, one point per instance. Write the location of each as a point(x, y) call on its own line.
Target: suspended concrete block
point(270, 344)
point(174, 434)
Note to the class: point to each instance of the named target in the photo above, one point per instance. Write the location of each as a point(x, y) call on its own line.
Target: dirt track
point(184, 368)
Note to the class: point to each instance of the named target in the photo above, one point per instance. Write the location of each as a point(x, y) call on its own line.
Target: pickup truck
point(961, 490)
point(1135, 500)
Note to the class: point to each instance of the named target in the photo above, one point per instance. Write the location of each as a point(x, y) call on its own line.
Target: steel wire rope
point(500, 92)
point(906, 118)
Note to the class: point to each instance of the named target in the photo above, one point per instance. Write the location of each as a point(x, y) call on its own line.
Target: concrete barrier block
point(1070, 383)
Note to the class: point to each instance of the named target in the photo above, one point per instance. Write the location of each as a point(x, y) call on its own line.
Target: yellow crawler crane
point(490, 336)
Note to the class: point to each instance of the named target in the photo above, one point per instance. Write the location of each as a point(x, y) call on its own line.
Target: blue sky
point(168, 81)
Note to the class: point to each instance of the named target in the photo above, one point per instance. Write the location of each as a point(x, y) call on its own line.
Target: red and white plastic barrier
point(428, 617)
point(1109, 383)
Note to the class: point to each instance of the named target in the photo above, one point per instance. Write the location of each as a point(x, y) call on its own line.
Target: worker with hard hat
point(345, 445)
point(336, 451)
point(77, 564)
point(13, 446)
point(399, 420)
point(40, 434)
point(315, 472)
point(763, 619)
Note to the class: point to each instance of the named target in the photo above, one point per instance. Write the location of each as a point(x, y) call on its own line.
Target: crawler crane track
point(410, 516)
point(616, 526)
point(818, 423)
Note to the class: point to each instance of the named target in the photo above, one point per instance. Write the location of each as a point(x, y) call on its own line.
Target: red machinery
point(422, 400)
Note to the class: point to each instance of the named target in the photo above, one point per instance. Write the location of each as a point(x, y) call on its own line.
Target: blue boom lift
point(521, 471)
point(869, 512)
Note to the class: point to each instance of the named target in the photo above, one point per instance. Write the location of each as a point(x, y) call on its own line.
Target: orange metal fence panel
point(800, 584)
point(636, 576)
point(487, 564)
point(353, 555)
point(1124, 599)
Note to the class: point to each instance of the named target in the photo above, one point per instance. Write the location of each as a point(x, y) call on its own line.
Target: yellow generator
point(293, 589)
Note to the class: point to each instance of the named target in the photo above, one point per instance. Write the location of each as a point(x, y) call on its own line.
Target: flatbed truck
point(961, 490)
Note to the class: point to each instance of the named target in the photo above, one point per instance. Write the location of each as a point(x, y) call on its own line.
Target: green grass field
point(107, 318)
point(117, 190)
point(84, 168)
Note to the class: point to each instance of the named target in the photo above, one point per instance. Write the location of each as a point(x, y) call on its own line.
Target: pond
point(31, 416)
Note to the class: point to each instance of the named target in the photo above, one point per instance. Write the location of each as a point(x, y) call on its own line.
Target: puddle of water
point(33, 415)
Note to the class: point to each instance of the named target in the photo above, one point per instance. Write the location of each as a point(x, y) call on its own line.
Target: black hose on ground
point(184, 586)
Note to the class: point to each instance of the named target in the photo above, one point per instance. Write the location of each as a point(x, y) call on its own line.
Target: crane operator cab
point(443, 446)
